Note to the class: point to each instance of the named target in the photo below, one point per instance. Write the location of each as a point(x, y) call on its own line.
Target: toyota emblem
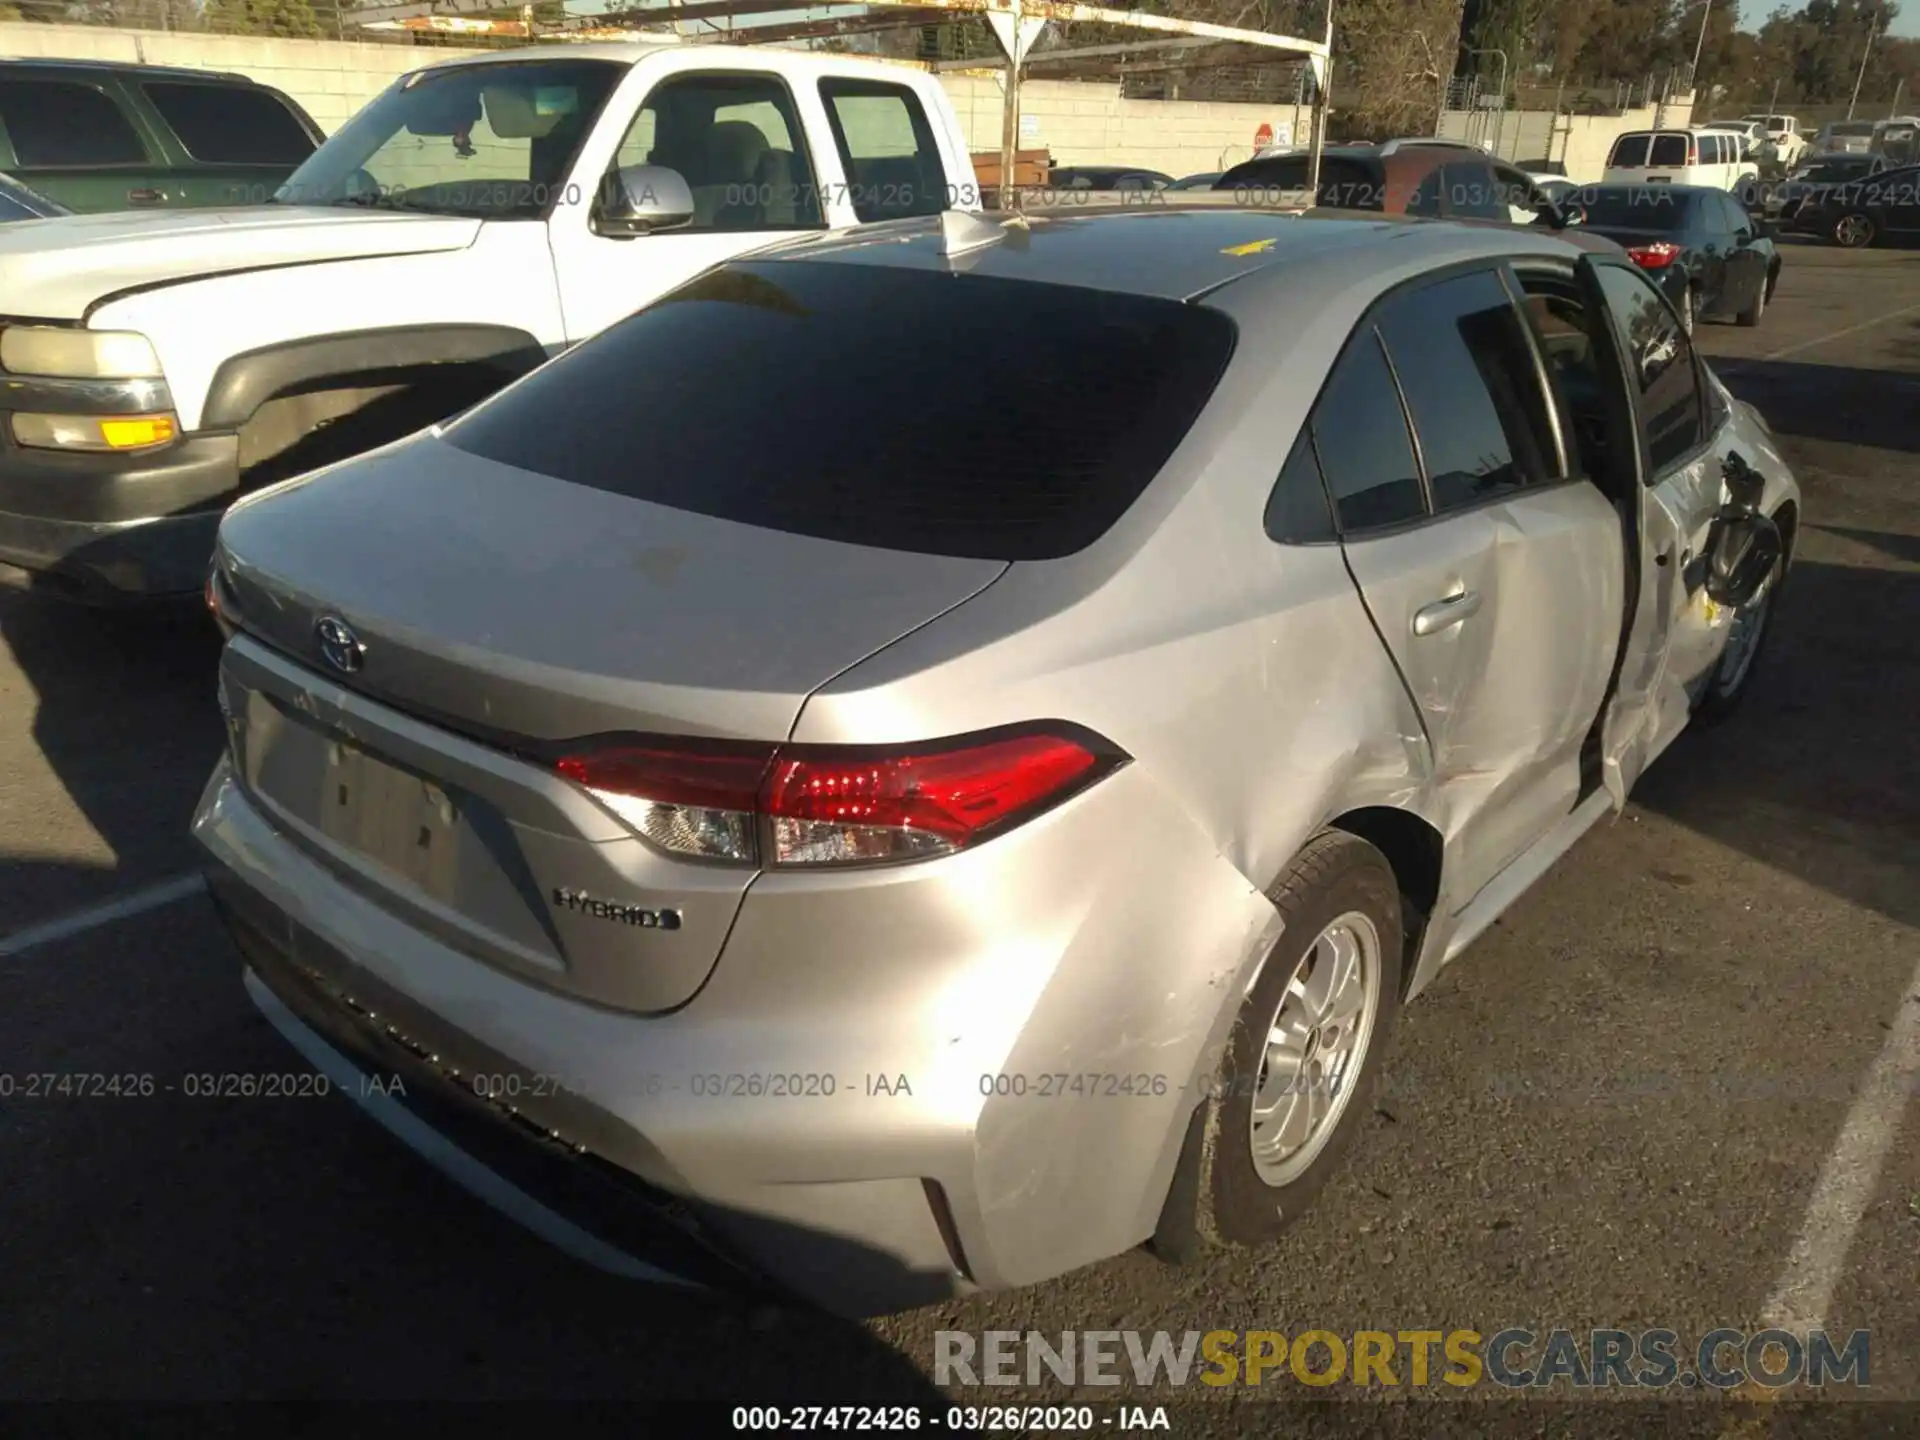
point(339, 646)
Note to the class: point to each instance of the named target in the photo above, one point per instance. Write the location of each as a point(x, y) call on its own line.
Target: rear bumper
point(873, 1196)
point(105, 527)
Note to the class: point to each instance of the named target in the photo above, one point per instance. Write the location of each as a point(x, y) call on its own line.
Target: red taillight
point(837, 805)
point(1657, 256)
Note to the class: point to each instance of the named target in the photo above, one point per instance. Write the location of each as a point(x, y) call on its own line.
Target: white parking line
point(166, 892)
point(446, 1157)
point(1848, 1180)
point(1842, 334)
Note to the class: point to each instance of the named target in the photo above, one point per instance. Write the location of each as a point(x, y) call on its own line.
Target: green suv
point(95, 135)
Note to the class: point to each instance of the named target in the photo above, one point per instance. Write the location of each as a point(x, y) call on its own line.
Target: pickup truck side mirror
point(640, 199)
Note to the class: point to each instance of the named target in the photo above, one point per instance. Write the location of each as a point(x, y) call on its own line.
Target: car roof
point(1172, 253)
point(124, 67)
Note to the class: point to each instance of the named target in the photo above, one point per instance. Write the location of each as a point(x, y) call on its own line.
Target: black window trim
point(1368, 323)
point(1702, 388)
point(1563, 456)
point(156, 156)
point(917, 117)
point(302, 121)
point(801, 137)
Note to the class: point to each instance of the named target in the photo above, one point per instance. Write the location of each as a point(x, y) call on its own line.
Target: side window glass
point(57, 123)
point(1471, 193)
point(1427, 194)
point(1360, 434)
point(229, 125)
point(740, 146)
point(887, 148)
point(1297, 512)
point(1661, 360)
point(1582, 373)
point(1467, 370)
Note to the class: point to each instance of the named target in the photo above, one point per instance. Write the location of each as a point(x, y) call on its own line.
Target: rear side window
point(1360, 434)
point(228, 125)
point(1669, 150)
point(1630, 152)
point(957, 415)
point(57, 123)
point(1467, 370)
point(887, 149)
point(1297, 512)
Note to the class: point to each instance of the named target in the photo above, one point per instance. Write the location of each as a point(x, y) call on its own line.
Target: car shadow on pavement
point(124, 718)
point(1818, 774)
point(1835, 403)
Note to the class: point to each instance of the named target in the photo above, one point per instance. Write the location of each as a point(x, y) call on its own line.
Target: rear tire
point(1854, 231)
point(1750, 316)
point(1305, 1053)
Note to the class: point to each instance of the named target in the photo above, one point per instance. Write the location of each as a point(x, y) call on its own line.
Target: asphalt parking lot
point(1679, 1085)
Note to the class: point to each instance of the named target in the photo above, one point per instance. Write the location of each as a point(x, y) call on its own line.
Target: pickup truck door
point(1675, 633)
point(738, 139)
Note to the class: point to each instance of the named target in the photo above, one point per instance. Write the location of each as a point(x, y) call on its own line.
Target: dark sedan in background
point(1858, 213)
point(1107, 177)
point(1816, 175)
point(1697, 243)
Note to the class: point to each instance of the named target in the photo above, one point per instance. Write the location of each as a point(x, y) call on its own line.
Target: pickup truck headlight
point(77, 354)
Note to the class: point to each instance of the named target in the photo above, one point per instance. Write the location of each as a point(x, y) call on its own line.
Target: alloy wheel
point(1316, 1044)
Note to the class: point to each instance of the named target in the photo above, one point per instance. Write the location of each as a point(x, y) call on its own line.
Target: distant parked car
point(1544, 167)
point(1783, 134)
point(18, 202)
point(1850, 137)
point(1816, 175)
point(1107, 177)
point(1858, 213)
point(1203, 181)
point(1696, 242)
point(1679, 157)
point(1898, 139)
point(1441, 180)
point(97, 135)
point(1555, 187)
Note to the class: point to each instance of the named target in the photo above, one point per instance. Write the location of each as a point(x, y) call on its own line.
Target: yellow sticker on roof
point(1252, 247)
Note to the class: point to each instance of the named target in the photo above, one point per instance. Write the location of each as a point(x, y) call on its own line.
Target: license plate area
point(403, 822)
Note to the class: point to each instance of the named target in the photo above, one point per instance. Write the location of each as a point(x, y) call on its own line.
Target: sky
point(1753, 14)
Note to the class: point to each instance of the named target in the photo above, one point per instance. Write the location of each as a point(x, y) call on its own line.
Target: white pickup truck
point(472, 221)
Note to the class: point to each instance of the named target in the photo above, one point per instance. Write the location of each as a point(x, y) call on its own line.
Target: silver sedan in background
point(941, 753)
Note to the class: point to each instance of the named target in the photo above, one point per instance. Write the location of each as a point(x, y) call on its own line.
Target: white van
point(1679, 157)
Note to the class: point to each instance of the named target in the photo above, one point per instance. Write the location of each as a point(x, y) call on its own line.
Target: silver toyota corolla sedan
point(940, 753)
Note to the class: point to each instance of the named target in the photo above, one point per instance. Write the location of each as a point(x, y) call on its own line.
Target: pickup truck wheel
point(1854, 231)
point(1740, 657)
point(1302, 1061)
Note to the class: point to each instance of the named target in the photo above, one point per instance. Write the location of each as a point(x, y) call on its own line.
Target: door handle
point(145, 197)
point(1432, 619)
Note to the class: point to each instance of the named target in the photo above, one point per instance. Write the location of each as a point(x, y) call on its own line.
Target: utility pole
point(1897, 90)
point(1693, 77)
point(1872, 25)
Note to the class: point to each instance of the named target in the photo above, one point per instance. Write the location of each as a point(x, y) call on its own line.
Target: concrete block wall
point(1081, 123)
point(1580, 142)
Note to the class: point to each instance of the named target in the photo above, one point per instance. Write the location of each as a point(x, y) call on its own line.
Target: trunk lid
point(499, 609)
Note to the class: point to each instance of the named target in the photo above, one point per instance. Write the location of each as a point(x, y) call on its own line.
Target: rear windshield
point(1669, 150)
point(1345, 183)
point(1634, 207)
point(925, 411)
point(1630, 151)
